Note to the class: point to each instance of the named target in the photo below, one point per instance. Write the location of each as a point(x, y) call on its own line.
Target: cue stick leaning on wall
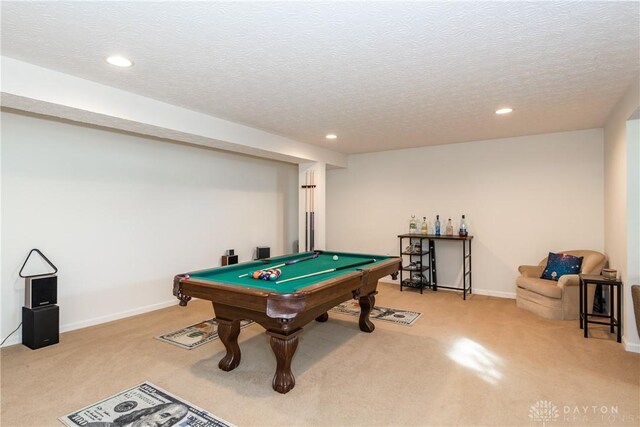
point(306, 210)
point(312, 214)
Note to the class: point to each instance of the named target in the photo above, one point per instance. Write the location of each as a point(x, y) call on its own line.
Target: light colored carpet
point(477, 362)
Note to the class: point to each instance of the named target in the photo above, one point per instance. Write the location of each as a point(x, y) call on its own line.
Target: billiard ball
point(335, 257)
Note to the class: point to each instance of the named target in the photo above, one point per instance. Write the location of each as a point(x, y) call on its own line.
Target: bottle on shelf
point(425, 226)
point(413, 225)
point(437, 225)
point(463, 228)
point(449, 228)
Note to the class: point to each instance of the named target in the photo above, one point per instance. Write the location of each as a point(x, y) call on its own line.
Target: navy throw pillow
point(560, 264)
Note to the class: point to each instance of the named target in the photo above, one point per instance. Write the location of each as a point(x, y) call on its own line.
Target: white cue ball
point(335, 257)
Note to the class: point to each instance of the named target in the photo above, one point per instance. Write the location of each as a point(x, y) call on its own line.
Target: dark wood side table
point(615, 309)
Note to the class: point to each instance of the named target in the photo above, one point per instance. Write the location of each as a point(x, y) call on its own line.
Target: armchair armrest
point(531, 270)
point(568, 280)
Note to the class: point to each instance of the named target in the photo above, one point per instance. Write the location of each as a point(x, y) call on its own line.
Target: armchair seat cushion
point(548, 288)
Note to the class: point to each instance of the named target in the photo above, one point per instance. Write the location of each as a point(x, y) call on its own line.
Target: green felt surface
point(324, 261)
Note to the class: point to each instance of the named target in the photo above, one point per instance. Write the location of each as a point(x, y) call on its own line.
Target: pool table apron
point(283, 315)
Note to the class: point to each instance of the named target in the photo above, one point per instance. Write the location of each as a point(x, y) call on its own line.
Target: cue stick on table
point(293, 261)
point(327, 271)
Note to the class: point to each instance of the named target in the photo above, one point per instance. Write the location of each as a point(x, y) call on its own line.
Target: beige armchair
point(556, 300)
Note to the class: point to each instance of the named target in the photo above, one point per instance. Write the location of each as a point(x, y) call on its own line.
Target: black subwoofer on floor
point(40, 326)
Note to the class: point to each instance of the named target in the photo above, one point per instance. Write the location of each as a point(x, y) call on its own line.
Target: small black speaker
point(229, 259)
point(40, 291)
point(263, 252)
point(40, 326)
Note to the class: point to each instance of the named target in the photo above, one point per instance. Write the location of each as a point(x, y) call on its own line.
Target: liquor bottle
point(413, 225)
point(425, 226)
point(437, 225)
point(463, 228)
point(449, 228)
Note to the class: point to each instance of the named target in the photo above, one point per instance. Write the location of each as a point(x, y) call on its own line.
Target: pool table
point(284, 308)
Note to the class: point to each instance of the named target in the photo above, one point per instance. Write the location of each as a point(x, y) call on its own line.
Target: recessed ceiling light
point(504, 111)
point(119, 61)
point(332, 136)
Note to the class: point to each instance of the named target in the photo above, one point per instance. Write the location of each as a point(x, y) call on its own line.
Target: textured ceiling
point(380, 75)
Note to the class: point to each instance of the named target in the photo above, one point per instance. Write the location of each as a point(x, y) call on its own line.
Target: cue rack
point(309, 210)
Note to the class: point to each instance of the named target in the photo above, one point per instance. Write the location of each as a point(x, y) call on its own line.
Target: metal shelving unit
point(429, 278)
point(415, 252)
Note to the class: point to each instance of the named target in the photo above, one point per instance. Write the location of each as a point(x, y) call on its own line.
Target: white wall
point(523, 197)
point(120, 215)
point(616, 175)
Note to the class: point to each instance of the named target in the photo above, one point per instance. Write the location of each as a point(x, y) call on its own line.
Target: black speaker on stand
point(40, 314)
point(40, 291)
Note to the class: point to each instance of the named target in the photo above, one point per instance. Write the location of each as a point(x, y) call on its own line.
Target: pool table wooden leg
point(228, 331)
point(284, 347)
point(367, 302)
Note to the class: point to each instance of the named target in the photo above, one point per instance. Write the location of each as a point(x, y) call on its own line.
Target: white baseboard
point(116, 316)
point(498, 294)
point(14, 339)
point(17, 338)
point(487, 292)
point(631, 347)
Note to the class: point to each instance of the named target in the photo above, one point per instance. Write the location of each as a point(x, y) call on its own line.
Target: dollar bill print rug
point(143, 405)
point(395, 315)
point(196, 335)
